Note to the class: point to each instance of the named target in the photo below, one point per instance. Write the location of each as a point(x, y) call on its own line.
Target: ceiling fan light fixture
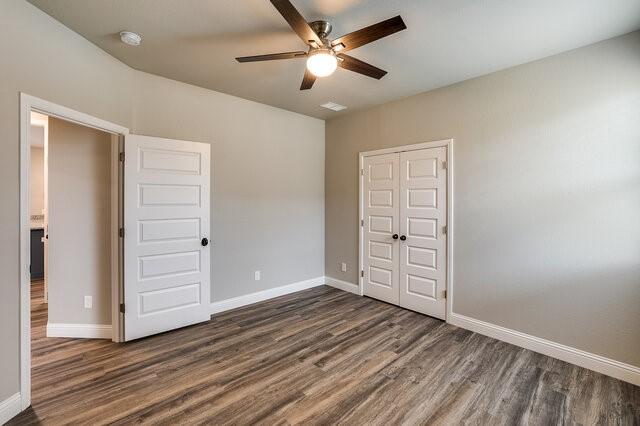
point(322, 62)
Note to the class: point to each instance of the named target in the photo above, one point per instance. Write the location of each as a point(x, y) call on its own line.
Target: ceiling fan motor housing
point(322, 28)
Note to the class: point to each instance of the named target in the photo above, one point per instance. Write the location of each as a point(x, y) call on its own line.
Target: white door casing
point(423, 218)
point(381, 223)
point(166, 216)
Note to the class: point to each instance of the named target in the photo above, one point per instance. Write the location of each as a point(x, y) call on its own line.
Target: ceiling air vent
point(333, 106)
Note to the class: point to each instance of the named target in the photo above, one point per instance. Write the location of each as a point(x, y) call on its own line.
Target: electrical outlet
point(88, 302)
point(257, 275)
point(343, 267)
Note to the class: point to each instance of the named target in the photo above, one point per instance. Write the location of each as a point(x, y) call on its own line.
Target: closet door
point(381, 213)
point(423, 216)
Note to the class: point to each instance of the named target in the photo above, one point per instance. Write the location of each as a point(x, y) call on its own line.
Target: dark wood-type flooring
point(320, 356)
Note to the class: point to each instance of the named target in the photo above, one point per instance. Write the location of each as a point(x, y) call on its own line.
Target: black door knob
point(394, 236)
point(204, 242)
point(402, 238)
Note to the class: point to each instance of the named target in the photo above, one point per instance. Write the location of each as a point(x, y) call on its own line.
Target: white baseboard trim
point(342, 285)
point(80, 331)
point(249, 299)
point(610, 367)
point(10, 407)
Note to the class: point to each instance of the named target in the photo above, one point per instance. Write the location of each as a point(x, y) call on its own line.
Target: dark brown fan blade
point(308, 80)
point(296, 21)
point(272, 56)
point(368, 34)
point(356, 65)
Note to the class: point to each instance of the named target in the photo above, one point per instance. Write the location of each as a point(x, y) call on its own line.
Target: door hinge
point(444, 230)
point(121, 232)
point(362, 273)
point(361, 222)
point(444, 294)
point(121, 157)
point(362, 172)
point(444, 165)
point(122, 308)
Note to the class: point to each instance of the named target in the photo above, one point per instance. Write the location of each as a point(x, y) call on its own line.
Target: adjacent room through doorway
point(72, 212)
point(73, 188)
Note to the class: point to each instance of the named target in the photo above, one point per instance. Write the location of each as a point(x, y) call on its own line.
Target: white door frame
point(448, 143)
point(27, 104)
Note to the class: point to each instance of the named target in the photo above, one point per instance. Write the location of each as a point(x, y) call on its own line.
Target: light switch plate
point(88, 302)
point(257, 276)
point(343, 267)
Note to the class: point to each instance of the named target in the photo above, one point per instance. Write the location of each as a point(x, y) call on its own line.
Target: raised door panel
point(381, 215)
point(152, 231)
point(422, 220)
point(170, 161)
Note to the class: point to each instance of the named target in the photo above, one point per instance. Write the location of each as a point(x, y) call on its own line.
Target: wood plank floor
point(320, 356)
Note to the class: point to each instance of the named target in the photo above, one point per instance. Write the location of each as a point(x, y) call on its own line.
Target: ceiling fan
point(324, 56)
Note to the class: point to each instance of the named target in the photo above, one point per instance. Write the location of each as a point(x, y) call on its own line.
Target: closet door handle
point(394, 236)
point(402, 238)
point(204, 242)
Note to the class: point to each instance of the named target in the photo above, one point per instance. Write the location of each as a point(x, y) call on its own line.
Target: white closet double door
point(404, 229)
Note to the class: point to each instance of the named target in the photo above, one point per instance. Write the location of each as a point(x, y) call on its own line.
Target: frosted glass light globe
point(322, 62)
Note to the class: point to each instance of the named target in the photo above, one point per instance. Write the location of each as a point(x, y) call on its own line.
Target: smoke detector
point(130, 38)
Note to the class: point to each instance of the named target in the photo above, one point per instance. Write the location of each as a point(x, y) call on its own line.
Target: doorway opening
point(70, 213)
point(74, 209)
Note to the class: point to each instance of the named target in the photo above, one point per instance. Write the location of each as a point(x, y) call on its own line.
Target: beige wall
point(547, 193)
point(267, 197)
point(79, 224)
point(268, 172)
point(36, 179)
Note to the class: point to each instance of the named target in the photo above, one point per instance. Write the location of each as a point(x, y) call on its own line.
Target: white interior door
point(166, 218)
point(381, 227)
point(423, 217)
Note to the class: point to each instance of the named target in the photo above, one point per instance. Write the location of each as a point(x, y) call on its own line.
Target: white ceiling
point(447, 41)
